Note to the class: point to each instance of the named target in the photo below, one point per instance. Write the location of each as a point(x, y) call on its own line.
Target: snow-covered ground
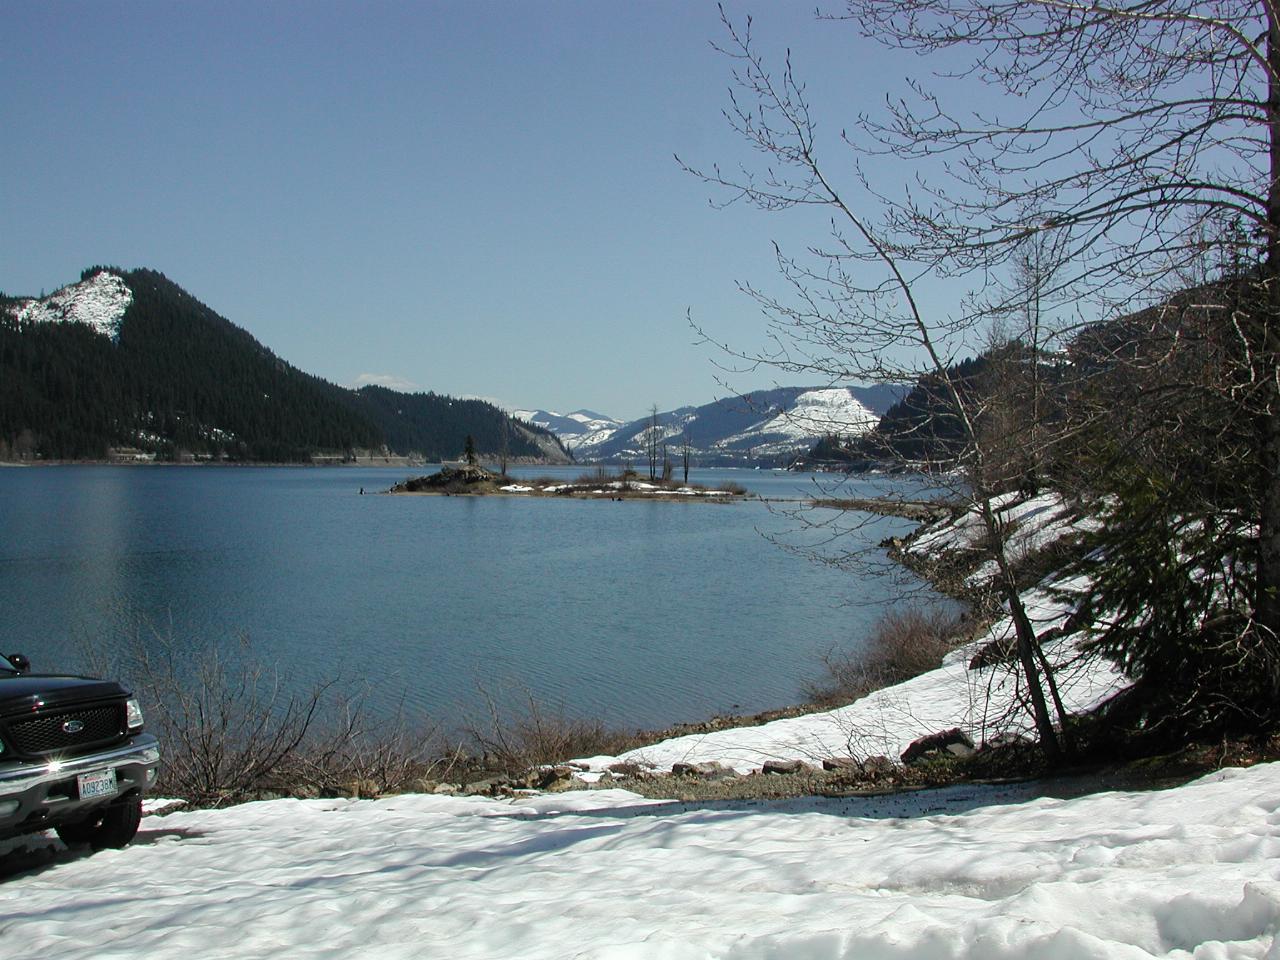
point(983, 873)
point(957, 873)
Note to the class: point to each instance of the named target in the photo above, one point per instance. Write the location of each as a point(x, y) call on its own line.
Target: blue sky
point(474, 198)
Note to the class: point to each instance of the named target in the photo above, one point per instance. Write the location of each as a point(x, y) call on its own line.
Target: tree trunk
point(1267, 605)
point(1025, 633)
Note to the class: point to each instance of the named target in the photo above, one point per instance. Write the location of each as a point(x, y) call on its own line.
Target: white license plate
point(100, 784)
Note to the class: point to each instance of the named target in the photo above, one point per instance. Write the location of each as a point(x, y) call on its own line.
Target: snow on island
point(474, 481)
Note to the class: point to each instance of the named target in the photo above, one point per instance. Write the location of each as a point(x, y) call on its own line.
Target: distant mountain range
point(760, 428)
point(128, 365)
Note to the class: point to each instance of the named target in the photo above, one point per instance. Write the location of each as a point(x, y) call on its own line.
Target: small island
point(475, 481)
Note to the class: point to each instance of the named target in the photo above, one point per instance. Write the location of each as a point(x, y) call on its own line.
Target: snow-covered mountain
point(580, 428)
point(99, 301)
point(127, 364)
point(764, 427)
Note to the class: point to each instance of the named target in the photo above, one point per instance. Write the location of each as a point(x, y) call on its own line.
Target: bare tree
point(652, 441)
point(1144, 130)
point(1124, 135)
point(504, 443)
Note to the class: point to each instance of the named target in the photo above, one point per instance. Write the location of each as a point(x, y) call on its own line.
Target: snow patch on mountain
point(580, 429)
point(813, 414)
point(99, 302)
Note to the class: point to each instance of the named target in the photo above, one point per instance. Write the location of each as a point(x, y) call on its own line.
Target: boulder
point(784, 766)
point(948, 743)
point(843, 765)
point(547, 778)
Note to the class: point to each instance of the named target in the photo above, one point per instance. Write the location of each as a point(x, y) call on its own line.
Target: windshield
point(6, 666)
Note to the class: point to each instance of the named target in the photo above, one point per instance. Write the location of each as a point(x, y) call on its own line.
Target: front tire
point(110, 828)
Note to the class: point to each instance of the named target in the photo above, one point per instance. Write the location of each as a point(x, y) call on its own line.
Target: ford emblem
point(72, 726)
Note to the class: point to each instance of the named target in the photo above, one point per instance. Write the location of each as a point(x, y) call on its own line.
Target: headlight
point(133, 713)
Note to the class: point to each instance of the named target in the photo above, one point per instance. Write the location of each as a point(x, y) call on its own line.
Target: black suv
point(72, 757)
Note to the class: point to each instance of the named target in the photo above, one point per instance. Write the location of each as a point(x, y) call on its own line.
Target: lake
point(640, 614)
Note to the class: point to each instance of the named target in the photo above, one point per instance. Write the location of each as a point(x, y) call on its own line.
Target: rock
point(707, 770)
point(950, 743)
point(568, 783)
point(480, 788)
point(362, 788)
point(446, 789)
point(548, 778)
point(784, 766)
point(842, 765)
point(875, 767)
point(1003, 650)
point(1005, 739)
point(627, 769)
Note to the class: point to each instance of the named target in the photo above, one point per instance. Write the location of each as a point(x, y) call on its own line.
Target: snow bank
point(1035, 524)
point(963, 874)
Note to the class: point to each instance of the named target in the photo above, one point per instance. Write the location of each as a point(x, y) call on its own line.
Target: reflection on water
point(639, 613)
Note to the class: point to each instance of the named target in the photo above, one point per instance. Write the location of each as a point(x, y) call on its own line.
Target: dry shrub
point(537, 735)
point(597, 478)
point(359, 756)
point(232, 728)
point(902, 644)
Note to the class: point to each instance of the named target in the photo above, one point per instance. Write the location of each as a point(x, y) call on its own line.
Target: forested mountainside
point(128, 359)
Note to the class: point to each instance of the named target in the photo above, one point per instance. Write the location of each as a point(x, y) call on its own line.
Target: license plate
point(101, 784)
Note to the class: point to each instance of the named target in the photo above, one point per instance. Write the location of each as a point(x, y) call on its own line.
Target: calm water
point(637, 613)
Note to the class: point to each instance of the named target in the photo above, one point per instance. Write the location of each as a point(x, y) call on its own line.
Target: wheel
point(110, 827)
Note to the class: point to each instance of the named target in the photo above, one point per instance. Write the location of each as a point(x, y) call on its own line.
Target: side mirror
point(20, 663)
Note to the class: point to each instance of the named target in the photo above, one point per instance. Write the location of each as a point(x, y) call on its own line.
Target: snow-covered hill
point(812, 414)
point(99, 302)
point(765, 426)
point(577, 429)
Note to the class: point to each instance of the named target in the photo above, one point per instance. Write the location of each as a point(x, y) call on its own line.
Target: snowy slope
point(973, 873)
point(765, 425)
point(812, 414)
point(578, 429)
point(99, 302)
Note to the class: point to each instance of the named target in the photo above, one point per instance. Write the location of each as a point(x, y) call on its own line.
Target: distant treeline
point(183, 380)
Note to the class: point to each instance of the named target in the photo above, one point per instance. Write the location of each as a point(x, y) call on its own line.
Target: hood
point(31, 691)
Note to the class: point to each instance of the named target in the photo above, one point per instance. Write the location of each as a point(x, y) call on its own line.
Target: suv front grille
point(47, 734)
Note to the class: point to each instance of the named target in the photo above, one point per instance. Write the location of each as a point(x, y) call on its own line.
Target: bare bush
point(902, 644)
point(233, 728)
point(538, 735)
point(357, 756)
